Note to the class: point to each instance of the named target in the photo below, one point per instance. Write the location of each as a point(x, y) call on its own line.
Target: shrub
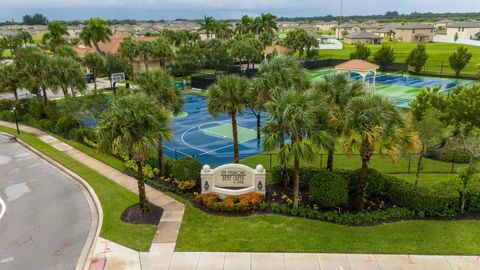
point(6, 104)
point(306, 173)
point(51, 111)
point(6, 116)
point(375, 181)
point(46, 124)
point(186, 168)
point(240, 203)
point(66, 123)
point(456, 157)
point(36, 109)
point(328, 189)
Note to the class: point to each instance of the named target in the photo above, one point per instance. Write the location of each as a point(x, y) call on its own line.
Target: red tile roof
point(278, 48)
point(111, 46)
point(357, 64)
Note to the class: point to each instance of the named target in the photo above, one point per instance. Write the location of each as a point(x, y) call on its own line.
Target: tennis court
point(401, 88)
point(210, 139)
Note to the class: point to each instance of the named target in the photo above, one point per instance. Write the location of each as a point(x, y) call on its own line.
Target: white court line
point(4, 208)
point(189, 145)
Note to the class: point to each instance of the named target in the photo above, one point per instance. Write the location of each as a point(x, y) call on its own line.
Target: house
point(362, 37)
point(346, 28)
point(464, 30)
point(415, 33)
point(442, 24)
point(276, 49)
point(325, 26)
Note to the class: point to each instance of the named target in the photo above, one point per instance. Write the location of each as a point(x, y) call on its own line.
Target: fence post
point(453, 161)
point(409, 162)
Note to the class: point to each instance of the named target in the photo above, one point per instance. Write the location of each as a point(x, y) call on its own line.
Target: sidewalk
point(162, 255)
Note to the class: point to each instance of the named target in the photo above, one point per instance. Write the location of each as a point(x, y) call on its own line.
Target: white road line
point(4, 208)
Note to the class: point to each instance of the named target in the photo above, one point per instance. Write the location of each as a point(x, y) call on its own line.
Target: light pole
point(14, 110)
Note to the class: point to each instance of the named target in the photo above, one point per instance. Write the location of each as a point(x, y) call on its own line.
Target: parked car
point(89, 77)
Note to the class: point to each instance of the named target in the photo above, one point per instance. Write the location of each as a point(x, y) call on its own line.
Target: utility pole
point(341, 10)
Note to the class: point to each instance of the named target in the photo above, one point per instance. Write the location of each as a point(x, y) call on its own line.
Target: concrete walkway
point(162, 256)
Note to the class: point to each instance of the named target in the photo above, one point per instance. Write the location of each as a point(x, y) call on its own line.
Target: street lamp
point(14, 110)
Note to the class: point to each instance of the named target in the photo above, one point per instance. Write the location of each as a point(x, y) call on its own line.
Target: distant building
point(443, 23)
point(362, 37)
point(415, 33)
point(346, 28)
point(464, 30)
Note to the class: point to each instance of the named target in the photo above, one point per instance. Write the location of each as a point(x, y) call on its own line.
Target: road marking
point(4, 207)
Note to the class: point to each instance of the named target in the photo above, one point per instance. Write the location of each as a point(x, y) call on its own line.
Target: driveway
point(47, 217)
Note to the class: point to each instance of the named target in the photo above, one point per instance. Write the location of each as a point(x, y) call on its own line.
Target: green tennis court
point(225, 131)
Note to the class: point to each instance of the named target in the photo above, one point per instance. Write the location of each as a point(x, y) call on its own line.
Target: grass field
point(438, 54)
point(113, 197)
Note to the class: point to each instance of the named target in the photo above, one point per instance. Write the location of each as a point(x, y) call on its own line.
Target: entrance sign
point(117, 77)
point(233, 179)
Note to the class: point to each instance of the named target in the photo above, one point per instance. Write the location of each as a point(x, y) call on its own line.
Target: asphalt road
point(47, 216)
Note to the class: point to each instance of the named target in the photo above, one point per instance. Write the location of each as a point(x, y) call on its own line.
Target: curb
point(95, 207)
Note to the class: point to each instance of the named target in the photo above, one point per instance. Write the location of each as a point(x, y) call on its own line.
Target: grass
point(113, 197)
point(275, 233)
point(438, 54)
point(6, 54)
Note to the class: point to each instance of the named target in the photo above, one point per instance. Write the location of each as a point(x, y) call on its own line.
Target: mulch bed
point(134, 215)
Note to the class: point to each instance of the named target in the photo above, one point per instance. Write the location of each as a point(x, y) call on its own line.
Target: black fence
point(323, 63)
point(203, 81)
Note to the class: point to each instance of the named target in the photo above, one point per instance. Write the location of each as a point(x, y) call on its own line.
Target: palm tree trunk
point(142, 196)
point(15, 94)
point(330, 161)
point(45, 98)
point(283, 164)
point(362, 181)
point(161, 166)
point(98, 48)
point(419, 164)
point(73, 91)
point(258, 126)
point(145, 62)
point(236, 157)
point(296, 180)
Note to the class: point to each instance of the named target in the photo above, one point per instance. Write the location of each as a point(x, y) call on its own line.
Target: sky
point(220, 9)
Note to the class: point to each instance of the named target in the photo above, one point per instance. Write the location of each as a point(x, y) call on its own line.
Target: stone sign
point(233, 179)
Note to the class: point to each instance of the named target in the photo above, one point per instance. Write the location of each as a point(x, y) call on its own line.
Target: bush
point(46, 125)
point(6, 116)
point(328, 189)
point(6, 104)
point(240, 203)
point(36, 109)
point(66, 123)
point(306, 174)
point(79, 134)
point(187, 168)
point(375, 181)
point(51, 111)
point(456, 157)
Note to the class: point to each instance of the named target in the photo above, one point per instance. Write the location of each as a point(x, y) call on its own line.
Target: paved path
point(162, 255)
point(47, 218)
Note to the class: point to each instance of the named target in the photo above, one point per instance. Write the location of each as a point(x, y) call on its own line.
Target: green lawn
point(274, 233)
point(113, 197)
point(438, 52)
point(6, 54)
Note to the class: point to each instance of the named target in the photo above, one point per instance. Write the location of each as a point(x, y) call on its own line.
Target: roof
point(464, 25)
point(445, 21)
point(110, 47)
point(317, 36)
point(278, 48)
point(347, 25)
point(415, 26)
point(357, 64)
point(362, 34)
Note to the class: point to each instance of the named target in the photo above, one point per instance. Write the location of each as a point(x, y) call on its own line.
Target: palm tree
point(128, 48)
point(9, 79)
point(129, 127)
point(68, 74)
point(299, 40)
point(227, 96)
point(95, 63)
point(245, 26)
point(67, 51)
point(146, 50)
point(208, 25)
point(266, 23)
point(338, 91)
point(55, 35)
point(372, 120)
point(158, 85)
point(223, 30)
point(94, 32)
point(163, 51)
point(293, 113)
point(25, 36)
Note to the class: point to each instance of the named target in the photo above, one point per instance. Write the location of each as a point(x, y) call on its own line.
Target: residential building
point(464, 30)
point(362, 37)
point(346, 28)
point(415, 33)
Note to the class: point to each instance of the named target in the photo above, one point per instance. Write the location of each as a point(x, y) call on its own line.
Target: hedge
point(187, 168)
point(328, 189)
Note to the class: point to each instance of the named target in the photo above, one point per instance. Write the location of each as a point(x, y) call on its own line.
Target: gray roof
point(464, 25)
point(362, 34)
point(445, 21)
point(415, 26)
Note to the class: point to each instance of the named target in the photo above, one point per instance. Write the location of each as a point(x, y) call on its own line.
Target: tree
point(391, 34)
point(95, 31)
point(187, 61)
point(67, 74)
point(338, 92)
point(11, 43)
point(36, 19)
point(55, 35)
point(384, 56)
point(117, 64)
point(163, 51)
point(208, 25)
point(371, 121)
point(265, 23)
point(96, 64)
point(247, 49)
point(429, 98)
point(67, 51)
point(129, 127)
point(223, 30)
point(417, 58)
point(9, 79)
point(300, 41)
point(146, 50)
point(429, 130)
point(455, 38)
point(215, 54)
point(128, 48)
point(25, 37)
point(245, 26)
point(471, 145)
point(227, 96)
point(293, 112)
point(159, 86)
point(361, 52)
point(459, 59)
point(463, 105)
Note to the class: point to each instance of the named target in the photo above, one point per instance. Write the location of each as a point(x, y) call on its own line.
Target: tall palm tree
point(129, 127)
point(227, 96)
point(245, 26)
point(338, 91)
point(67, 51)
point(163, 51)
point(223, 30)
point(299, 40)
point(57, 30)
point(9, 79)
point(293, 113)
point(129, 48)
point(158, 85)
point(95, 63)
point(208, 25)
point(372, 120)
point(68, 74)
point(266, 23)
point(146, 50)
point(95, 31)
